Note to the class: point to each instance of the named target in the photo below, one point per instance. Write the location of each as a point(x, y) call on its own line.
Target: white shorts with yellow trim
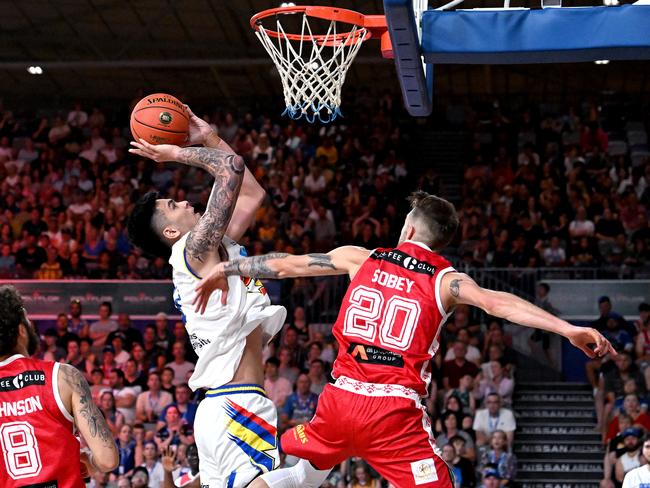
point(236, 435)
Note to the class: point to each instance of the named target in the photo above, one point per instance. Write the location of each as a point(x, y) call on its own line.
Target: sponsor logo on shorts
point(22, 380)
point(363, 353)
point(402, 259)
point(300, 434)
point(165, 118)
point(424, 471)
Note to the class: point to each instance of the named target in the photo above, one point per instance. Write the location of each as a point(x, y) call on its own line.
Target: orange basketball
point(160, 119)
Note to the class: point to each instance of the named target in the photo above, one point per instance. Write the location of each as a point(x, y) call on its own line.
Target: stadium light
point(602, 61)
point(287, 4)
point(35, 70)
point(610, 3)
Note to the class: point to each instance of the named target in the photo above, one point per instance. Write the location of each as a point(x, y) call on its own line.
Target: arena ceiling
point(205, 49)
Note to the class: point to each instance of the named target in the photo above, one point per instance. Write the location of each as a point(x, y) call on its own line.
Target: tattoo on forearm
point(255, 267)
point(97, 425)
point(228, 171)
point(321, 260)
point(454, 287)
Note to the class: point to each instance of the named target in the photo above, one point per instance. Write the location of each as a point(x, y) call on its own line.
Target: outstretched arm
point(90, 422)
point(343, 260)
point(457, 288)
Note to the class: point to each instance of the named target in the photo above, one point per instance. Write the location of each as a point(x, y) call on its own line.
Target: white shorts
point(236, 434)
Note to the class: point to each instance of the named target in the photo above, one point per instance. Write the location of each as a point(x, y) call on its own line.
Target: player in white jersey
point(235, 426)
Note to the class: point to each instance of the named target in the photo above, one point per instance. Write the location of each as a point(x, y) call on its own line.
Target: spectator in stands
point(163, 335)
point(450, 423)
point(113, 417)
point(464, 396)
point(464, 473)
point(454, 370)
point(641, 475)
point(50, 350)
point(497, 382)
point(151, 349)
point(167, 374)
point(491, 478)
point(180, 366)
point(150, 404)
point(493, 417)
point(73, 356)
point(62, 332)
point(300, 406)
point(497, 455)
point(184, 404)
point(150, 461)
point(317, 376)
point(631, 407)
point(172, 430)
point(77, 325)
point(473, 354)
point(632, 458)
point(100, 329)
point(125, 396)
point(133, 375)
point(121, 356)
point(496, 337)
point(362, 478)
point(286, 370)
point(277, 387)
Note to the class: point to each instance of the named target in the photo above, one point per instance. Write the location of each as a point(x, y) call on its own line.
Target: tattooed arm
point(228, 171)
point(458, 288)
point(343, 260)
point(77, 399)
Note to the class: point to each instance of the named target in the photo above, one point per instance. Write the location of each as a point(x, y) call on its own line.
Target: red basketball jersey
point(36, 432)
point(391, 316)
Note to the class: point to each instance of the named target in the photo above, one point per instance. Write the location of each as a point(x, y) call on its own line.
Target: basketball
point(160, 119)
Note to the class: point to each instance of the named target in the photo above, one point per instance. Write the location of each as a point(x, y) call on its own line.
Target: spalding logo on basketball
point(165, 118)
point(160, 119)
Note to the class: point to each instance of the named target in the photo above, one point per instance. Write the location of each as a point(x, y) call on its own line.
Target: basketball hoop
point(313, 64)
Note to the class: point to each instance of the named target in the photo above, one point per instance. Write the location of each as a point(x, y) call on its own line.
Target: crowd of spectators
point(621, 385)
point(139, 381)
point(557, 188)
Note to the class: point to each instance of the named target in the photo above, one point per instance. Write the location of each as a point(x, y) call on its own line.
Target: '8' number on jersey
point(20, 450)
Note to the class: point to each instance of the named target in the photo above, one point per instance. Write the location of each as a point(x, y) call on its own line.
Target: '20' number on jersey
point(20, 450)
point(399, 318)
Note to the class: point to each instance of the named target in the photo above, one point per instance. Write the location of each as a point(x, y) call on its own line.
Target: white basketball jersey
point(219, 335)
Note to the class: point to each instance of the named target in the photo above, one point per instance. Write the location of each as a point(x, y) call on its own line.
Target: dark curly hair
point(141, 227)
point(11, 316)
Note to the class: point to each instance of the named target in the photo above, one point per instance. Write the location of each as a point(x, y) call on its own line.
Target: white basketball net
point(313, 68)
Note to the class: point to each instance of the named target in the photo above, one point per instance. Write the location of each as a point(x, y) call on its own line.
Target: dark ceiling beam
point(80, 36)
point(157, 63)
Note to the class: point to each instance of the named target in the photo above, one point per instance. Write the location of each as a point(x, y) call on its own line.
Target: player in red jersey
point(388, 329)
point(41, 402)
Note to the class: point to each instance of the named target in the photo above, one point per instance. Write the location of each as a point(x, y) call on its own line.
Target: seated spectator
point(179, 364)
point(449, 427)
point(150, 404)
point(496, 337)
point(497, 382)
point(173, 430)
point(473, 354)
point(100, 329)
point(631, 407)
point(464, 397)
point(317, 376)
point(133, 376)
point(125, 396)
point(167, 374)
point(630, 388)
point(641, 475)
point(50, 350)
point(462, 468)
point(149, 460)
point(497, 455)
point(184, 403)
point(121, 356)
point(300, 406)
point(632, 458)
point(454, 370)
point(126, 447)
point(114, 419)
point(492, 418)
point(361, 478)
point(286, 370)
point(554, 255)
point(277, 388)
point(619, 337)
point(491, 478)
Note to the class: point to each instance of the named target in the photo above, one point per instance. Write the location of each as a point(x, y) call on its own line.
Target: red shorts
point(392, 433)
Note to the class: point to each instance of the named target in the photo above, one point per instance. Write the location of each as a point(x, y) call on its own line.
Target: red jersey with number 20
point(39, 449)
point(391, 316)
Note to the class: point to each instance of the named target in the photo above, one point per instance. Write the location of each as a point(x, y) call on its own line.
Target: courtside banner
point(44, 299)
point(578, 299)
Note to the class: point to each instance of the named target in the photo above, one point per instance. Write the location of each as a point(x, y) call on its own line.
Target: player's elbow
point(495, 303)
point(107, 459)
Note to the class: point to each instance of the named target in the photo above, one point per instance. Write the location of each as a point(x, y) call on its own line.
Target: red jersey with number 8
point(391, 317)
point(39, 449)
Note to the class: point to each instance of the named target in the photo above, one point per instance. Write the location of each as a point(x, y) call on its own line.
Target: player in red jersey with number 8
point(388, 329)
point(41, 403)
